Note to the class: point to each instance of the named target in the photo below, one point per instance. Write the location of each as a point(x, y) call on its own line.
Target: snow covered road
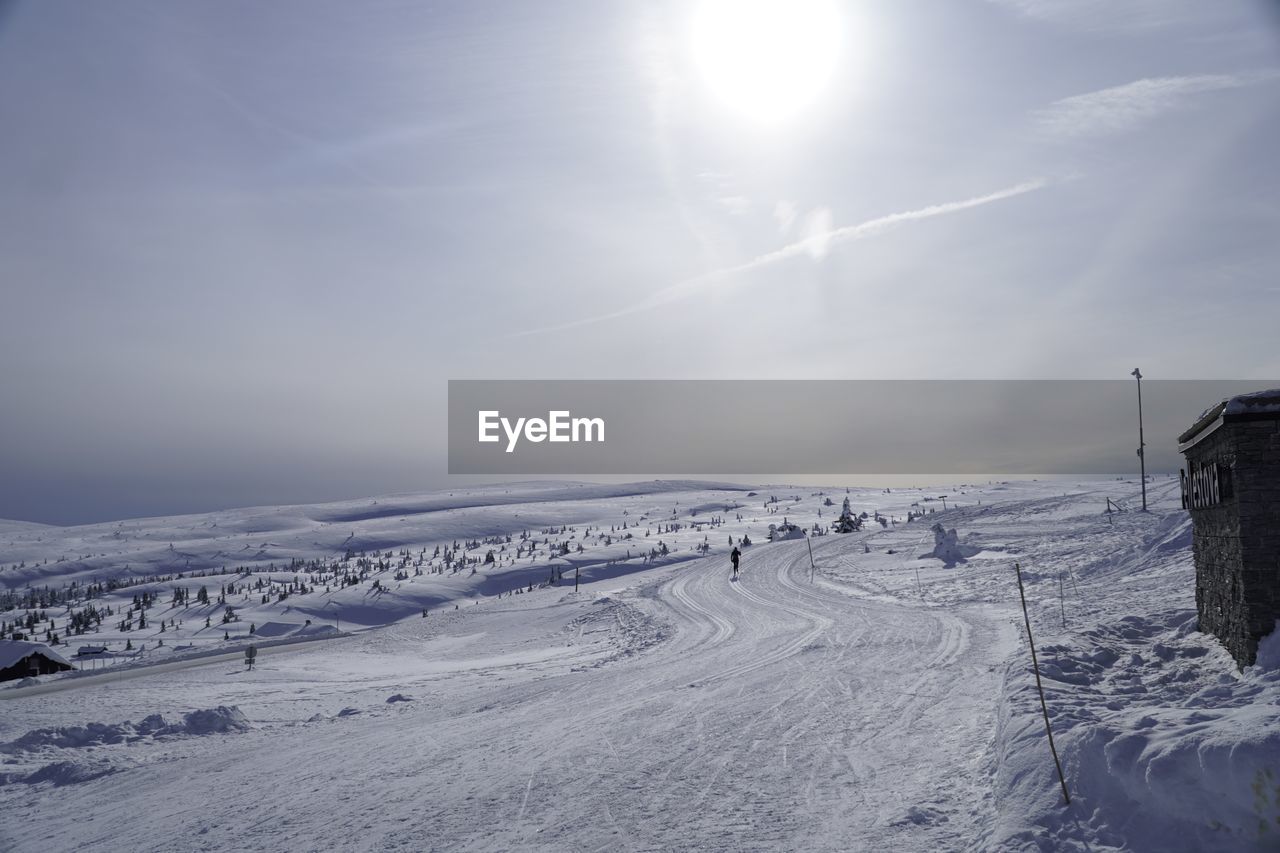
point(684, 711)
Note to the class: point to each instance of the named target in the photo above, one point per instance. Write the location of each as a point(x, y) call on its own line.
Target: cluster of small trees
point(304, 576)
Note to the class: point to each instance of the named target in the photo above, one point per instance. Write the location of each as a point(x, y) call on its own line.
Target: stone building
point(1231, 486)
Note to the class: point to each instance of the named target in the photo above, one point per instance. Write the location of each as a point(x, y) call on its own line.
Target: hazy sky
point(243, 245)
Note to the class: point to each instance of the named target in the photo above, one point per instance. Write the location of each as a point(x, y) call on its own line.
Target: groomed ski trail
point(763, 714)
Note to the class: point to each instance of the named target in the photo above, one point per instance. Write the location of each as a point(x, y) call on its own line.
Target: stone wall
point(1237, 541)
point(1258, 486)
point(1218, 556)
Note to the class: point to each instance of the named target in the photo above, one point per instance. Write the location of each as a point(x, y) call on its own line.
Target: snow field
point(876, 701)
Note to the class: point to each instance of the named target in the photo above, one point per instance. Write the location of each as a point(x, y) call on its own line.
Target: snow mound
point(620, 629)
point(1163, 745)
point(785, 530)
point(281, 630)
point(1268, 659)
point(921, 816)
point(1172, 535)
point(947, 547)
point(1206, 777)
point(275, 629)
point(217, 720)
point(210, 721)
point(72, 754)
point(61, 773)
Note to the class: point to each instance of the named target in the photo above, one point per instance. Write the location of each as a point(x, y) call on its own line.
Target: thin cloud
point(1107, 15)
point(736, 205)
point(815, 244)
point(785, 213)
point(723, 191)
point(818, 233)
point(1119, 109)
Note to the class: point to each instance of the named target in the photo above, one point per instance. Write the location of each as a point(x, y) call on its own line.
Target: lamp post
point(1142, 457)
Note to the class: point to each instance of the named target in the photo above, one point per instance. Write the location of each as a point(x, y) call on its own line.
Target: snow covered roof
point(12, 651)
point(1259, 402)
point(1255, 406)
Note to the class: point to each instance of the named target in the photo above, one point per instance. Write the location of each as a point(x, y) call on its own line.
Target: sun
point(766, 59)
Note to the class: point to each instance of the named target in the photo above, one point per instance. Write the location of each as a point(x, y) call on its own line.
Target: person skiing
point(735, 556)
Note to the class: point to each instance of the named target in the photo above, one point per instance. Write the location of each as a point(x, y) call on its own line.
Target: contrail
point(721, 276)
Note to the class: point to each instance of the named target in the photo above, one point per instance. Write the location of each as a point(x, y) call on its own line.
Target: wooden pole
point(809, 542)
point(1044, 708)
point(1062, 595)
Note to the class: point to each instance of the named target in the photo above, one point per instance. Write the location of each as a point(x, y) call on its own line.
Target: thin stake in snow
point(1062, 595)
point(916, 549)
point(812, 567)
point(1035, 666)
point(527, 788)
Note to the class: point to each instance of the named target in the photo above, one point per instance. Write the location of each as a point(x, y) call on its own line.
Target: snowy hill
point(423, 551)
point(879, 699)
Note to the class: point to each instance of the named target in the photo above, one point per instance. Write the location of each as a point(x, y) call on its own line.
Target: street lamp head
point(1136, 373)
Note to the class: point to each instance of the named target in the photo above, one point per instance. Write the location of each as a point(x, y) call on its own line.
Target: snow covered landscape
point(570, 667)
point(645, 425)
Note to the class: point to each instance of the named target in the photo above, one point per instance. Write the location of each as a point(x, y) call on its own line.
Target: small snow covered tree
point(848, 522)
point(785, 530)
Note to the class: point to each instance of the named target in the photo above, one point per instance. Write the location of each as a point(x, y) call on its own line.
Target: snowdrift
point(69, 755)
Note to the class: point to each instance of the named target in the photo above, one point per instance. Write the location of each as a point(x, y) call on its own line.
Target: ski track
point(764, 714)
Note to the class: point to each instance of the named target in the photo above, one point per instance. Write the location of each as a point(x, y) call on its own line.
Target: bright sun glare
point(766, 59)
